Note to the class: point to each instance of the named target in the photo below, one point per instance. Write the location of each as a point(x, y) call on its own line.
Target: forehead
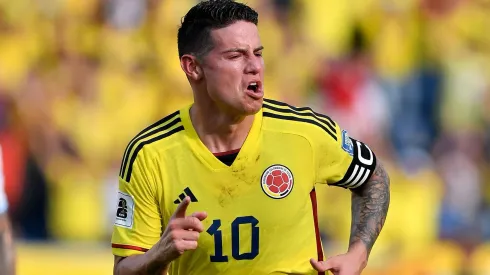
point(238, 34)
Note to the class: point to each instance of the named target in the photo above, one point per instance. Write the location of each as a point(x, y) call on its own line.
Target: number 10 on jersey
point(214, 230)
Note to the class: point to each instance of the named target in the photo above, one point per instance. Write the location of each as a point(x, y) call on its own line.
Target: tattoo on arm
point(370, 204)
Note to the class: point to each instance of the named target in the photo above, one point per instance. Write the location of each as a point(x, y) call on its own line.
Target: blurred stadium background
point(78, 78)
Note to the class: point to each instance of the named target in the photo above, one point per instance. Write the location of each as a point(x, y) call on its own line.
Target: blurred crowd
point(78, 79)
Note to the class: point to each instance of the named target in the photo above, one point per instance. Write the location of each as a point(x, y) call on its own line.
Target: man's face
point(234, 69)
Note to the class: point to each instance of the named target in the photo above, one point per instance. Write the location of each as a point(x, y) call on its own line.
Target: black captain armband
point(361, 168)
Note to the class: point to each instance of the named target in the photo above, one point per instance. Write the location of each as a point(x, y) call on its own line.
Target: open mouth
point(255, 89)
point(254, 86)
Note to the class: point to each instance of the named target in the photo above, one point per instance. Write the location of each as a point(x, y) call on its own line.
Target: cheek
point(225, 75)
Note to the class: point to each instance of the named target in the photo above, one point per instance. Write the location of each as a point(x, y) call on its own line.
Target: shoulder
point(149, 141)
point(304, 121)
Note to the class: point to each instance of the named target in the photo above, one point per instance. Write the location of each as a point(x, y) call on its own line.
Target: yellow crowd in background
point(73, 74)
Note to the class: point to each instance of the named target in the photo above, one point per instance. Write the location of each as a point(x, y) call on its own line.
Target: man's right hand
point(182, 232)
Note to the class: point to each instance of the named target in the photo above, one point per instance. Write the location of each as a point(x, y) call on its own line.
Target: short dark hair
point(194, 34)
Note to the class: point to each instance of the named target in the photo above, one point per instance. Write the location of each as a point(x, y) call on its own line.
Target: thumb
point(323, 265)
point(181, 208)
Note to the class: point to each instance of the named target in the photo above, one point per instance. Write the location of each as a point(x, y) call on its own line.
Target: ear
point(191, 67)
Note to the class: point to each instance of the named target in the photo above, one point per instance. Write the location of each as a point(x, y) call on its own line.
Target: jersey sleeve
point(343, 161)
point(138, 223)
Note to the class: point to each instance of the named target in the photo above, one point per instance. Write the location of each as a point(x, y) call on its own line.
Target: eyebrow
point(242, 49)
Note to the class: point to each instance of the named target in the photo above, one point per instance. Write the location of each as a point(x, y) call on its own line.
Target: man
point(245, 167)
point(7, 258)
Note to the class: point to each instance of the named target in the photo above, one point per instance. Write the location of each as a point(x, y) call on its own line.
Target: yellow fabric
point(238, 204)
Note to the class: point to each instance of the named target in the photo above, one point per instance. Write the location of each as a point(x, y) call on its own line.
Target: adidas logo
point(187, 192)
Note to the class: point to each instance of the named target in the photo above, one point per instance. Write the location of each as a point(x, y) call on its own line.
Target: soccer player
point(227, 184)
point(7, 258)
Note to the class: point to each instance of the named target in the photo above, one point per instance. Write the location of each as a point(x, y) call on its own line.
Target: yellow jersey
point(262, 216)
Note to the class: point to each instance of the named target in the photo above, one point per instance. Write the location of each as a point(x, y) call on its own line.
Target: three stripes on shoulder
point(161, 129)
point(281, 110)
point(364, 160)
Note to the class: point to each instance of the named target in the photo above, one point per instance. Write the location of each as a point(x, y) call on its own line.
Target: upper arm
point(138, 223)
point(343, 161)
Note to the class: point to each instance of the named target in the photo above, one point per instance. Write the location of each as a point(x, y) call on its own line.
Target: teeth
point(253, 84)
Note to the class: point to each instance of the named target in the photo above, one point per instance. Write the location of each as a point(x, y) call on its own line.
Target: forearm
point(145, 264)
point(370, 204)
point(7, 255)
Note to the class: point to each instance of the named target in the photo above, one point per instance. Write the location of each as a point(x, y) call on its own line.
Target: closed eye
point(236, 56)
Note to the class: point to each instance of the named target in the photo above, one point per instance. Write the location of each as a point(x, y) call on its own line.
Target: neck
point(219, 131)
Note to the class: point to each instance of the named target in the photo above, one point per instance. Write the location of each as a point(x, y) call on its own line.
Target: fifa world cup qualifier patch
point(347, 144)
point(277, 181)
point(125, 210)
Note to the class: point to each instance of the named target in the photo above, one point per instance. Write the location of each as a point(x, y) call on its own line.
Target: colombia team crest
point(277, 181)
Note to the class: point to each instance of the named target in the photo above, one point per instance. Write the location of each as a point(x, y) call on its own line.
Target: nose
point(254, 65)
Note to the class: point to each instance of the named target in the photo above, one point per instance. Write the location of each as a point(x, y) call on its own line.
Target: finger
point(187, 223)
point(185, 235)
point(181, 208)
point(322, 266)
point(183, 246)
point(200, 215)
point(193, 223)
point(189, 245)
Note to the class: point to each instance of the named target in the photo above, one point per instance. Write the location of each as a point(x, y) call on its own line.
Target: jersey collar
point(247, 153)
